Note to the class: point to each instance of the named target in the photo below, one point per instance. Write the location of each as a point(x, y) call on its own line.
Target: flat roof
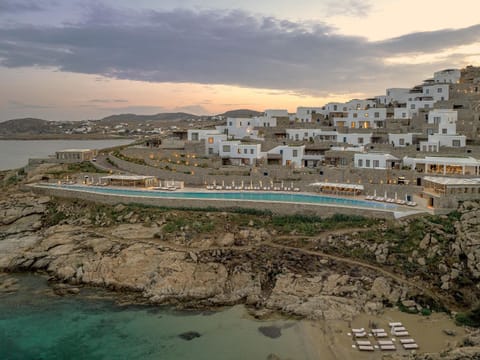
point(75, 150)
point(339, 185)
point(448, 160)
point(452, 181)
point(127, 177)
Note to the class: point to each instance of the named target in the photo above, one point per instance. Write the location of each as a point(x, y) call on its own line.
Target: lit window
point(210, 140)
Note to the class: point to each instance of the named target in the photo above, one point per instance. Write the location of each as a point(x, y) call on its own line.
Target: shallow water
point(35, 324)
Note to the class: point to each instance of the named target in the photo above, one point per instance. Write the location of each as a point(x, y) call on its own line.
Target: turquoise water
point(35, 324)
point(239, 196)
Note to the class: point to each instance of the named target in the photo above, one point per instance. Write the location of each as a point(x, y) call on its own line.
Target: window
point(355, 115)
point(456, 143)
point(377, 114)
point(294, 153)
point(210, 151)
point(210, 140)
point(245, 151)
point(401, 141)
point(444, 131)
point(230, 123)
point(226, 148)
point(427, 91)
point(360, 140)
point(335, 107)
point(353, 125)
point(360, 162)
point(194, 136)
point(426, 106)
point(344, 139)
point(252, 151)
point(412, 106)
point(439, 90)
point(367, 163)
point(436, 119)
point(366, 115)
point(404, 115)
point(376, 163)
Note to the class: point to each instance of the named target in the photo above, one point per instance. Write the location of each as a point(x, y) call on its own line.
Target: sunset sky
point(74, 60)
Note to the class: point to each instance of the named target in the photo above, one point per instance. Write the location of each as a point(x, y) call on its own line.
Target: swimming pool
point(230, 195)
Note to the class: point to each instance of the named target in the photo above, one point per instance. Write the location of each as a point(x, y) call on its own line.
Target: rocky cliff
point(205, 259)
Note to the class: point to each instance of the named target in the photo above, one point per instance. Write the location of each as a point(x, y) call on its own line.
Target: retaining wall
point(276, 208)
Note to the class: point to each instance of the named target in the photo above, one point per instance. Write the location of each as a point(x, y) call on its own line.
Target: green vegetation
point(469, 318)
point(137, 161)
point(312, 224)
point(70, 169)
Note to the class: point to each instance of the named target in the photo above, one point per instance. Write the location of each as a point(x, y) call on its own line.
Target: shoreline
point(322, 339)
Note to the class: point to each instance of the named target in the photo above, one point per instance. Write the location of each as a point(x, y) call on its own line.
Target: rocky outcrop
point(109, 250)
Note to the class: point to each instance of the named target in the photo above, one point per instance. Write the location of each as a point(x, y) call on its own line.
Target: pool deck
point(92, 193)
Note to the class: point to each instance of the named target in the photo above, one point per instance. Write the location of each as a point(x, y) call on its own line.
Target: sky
point(86, 59)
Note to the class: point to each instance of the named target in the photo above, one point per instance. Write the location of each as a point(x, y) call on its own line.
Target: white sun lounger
point(410, 346)
point(385, 342)
point(363, 342)
point(407, 341)
point(360, 334)
point(380, 334)
point(400, 333)
point(359, 330)
point(395, 324)
point(399, 328)
point(387, 347)
point(366, 348)
point(378, 330)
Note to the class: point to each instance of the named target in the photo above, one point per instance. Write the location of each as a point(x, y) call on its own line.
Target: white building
point(446, 134)
point(357, 104)
point(362, 119)
point(397, 95)
point(355, 139)
point(400, 140)
point(304, 114)
point(375, 161)
point(291, 155)
point(239, 153)
point(414, 104)
point(449, 76)
point(201, 134)
point(239, 128)
point(438, 92)
point(401, 113)
point(444, 165)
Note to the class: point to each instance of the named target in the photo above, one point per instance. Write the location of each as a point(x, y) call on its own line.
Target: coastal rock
point(227, 239)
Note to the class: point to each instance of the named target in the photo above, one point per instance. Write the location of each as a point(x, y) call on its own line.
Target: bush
point(469, 318)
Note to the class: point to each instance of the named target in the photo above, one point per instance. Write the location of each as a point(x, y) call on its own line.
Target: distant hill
point(26, 125)
point(241, 113)
point(113, 119)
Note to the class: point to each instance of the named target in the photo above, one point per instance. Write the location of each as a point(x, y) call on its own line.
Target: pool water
point(231, 195)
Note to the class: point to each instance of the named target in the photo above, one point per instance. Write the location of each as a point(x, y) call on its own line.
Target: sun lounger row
point(390, 200)
point(254, 188)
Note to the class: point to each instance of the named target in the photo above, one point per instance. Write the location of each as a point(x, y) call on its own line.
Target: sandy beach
point(329, 340)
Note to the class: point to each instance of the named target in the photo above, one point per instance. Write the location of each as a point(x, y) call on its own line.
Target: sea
point(15, 153)
point(39, 325)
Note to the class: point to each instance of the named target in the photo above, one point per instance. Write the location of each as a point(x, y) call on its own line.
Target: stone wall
point(276, 208)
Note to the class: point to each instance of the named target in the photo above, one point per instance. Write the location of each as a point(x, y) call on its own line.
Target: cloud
point(349, 7)
point(17, 6)
point(107, 101)
point(225, 47)
point(138, 110)
point(22, 105)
